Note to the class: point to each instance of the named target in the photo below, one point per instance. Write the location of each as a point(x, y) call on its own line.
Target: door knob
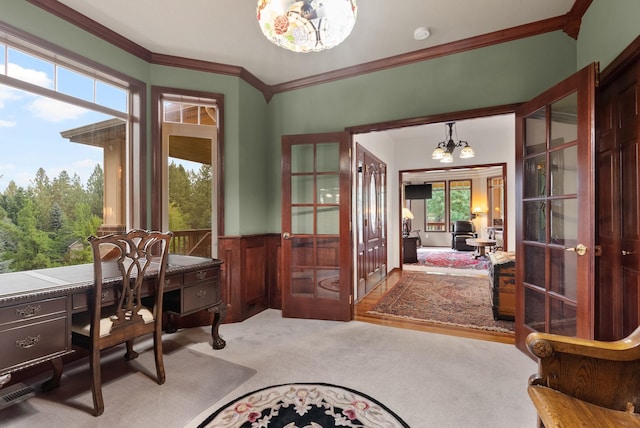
point(626, 253)
point(579, 249)
point(286, 235)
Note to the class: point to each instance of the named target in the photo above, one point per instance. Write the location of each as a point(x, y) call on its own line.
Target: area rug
point(454, 300)
point(452, 259)
point(313, 405)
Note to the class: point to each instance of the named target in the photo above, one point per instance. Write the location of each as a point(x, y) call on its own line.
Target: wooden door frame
point(585, 283)
point(502, 165)
point(316, 307)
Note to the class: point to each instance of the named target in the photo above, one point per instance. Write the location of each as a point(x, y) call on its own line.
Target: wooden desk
point(36, 308)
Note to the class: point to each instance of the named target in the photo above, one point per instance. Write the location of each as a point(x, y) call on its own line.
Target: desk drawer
point(79, 300)
point(27, 312)
point(199, 296)
point(172, 282)
point(200, 275)
point(33, 341)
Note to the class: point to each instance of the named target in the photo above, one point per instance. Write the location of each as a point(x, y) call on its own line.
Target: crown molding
point(569, 23)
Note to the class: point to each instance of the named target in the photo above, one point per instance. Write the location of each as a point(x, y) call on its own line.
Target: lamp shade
point(406, 213)
point(306, 26)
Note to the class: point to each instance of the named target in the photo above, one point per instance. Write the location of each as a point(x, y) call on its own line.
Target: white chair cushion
point(82, 323)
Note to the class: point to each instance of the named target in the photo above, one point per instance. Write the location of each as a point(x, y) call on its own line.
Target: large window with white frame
point(66, 154)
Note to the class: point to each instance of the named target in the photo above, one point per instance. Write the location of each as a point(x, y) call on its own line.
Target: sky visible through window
point(30, 127)
point(30, 124)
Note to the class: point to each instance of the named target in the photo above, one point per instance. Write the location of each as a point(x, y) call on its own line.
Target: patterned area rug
point(451, 259)
point(313, 405)
point(455, 300)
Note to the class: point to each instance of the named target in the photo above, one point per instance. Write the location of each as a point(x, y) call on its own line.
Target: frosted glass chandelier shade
point(306, 26)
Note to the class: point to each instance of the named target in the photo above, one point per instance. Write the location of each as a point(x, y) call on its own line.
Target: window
point(188, 162)
point(459, 200)
point(450, 201)
point(435, 212)
point(64, 138)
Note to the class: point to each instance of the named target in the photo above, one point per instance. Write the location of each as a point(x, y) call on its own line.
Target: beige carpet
point(132, 397)
point(427, 379)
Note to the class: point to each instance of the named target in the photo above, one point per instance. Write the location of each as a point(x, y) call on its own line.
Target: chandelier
point(444, 150)
point(308, 25)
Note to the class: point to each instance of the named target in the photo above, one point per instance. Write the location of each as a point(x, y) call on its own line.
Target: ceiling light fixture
point(308, 25)
point(444, 150)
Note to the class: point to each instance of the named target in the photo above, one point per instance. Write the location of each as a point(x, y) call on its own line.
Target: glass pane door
point(315, 268)
point(555, 238)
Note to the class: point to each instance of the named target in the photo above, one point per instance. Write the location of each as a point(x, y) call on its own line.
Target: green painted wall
point(608, 27)
point(503, 74)
point(511, 72)
point(246, 117)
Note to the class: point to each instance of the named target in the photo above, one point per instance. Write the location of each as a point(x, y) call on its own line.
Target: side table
point(410, 249)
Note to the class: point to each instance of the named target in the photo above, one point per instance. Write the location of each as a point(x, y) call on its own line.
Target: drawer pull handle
point(201, 293)
point(201, 274)
point(28, 311)
point(27, 342)
point(167, 282)
point(105, 295)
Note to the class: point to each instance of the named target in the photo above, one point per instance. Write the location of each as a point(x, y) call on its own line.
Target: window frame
point(136, 194)
point(448, 199)
point(158, 95)
point(426, 208)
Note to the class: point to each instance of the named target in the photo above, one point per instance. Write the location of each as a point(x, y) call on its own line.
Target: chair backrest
point(127, 267)
point(463, 226)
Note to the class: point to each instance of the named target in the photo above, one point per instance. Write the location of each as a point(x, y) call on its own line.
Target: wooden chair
point(586, 383)
point(127, 267)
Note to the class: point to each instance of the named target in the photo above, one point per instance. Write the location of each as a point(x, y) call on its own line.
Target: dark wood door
point(316, 240)
point(618, 310)
point(556, 210)
point(370, 220)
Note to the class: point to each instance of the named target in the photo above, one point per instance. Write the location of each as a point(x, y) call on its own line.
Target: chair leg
point(157, 352)
point(130, 354)
point(96, 382)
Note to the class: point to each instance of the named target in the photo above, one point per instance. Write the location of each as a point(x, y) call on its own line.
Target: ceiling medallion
point(306, 26)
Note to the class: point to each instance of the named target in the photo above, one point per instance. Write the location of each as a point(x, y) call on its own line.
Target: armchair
point(462, 230)
point(581, 382)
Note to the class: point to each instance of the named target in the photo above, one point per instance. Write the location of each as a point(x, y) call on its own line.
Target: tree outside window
point(435, 217)
point(459, 200)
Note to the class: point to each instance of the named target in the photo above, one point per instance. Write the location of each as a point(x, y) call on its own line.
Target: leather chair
point(462, 230)
point(126, 268)
point(586, 383)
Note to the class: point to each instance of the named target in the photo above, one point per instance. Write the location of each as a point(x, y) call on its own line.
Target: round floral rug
point(297, 405)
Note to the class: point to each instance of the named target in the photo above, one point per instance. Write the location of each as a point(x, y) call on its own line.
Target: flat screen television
point(417, 191)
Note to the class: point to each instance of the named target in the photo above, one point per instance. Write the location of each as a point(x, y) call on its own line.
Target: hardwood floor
point(392, 279)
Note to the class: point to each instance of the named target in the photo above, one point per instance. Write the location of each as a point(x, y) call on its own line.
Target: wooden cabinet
point(199, 290)
point(34, 332)
point(502, 275)
point(410, 250)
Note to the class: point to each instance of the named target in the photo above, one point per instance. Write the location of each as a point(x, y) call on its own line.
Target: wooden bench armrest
point(543, 345)
point(556, 409)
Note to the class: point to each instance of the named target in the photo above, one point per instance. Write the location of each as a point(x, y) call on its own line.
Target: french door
point(316, 238)
point(370, 221)
point(556, 210)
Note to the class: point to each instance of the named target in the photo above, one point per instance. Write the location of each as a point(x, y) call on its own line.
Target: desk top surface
point(58, 280)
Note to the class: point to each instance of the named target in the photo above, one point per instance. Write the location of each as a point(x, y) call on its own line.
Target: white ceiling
point(226, 31)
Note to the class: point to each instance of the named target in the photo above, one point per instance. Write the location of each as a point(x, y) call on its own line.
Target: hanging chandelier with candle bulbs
point(444, 150)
